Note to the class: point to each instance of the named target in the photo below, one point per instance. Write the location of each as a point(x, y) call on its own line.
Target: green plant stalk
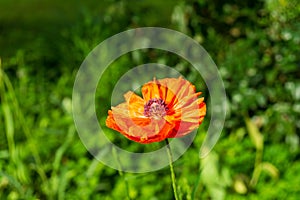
point(257, 167)
point(172, 170)
point(5, 82)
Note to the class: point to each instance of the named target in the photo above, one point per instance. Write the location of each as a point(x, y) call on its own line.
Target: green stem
point(172, 170)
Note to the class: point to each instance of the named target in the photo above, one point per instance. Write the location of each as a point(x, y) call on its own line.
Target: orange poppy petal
point(128, 119)
point(155, 132)
point(187, 118)
point(186, 107)
point(178, 87)
point(151, 90)
point(111, 123)
point(143, 132)
point(154, 89)
point(135, 105)
point(184, 111)
point(120, 119)
point(171, 90)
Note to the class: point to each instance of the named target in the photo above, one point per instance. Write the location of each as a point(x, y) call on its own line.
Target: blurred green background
point(256, 46)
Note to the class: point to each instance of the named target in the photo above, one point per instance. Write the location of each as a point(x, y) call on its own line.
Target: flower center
point(155, 108)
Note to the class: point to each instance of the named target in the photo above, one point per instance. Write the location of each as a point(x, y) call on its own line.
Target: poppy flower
point(169, 108)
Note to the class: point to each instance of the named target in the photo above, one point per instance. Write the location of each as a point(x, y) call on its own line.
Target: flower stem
point(172, 170)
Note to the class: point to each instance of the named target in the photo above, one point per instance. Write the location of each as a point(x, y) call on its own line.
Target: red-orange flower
point(169, 108)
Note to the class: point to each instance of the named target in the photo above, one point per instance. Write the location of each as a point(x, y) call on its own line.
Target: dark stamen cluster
point(155, 108)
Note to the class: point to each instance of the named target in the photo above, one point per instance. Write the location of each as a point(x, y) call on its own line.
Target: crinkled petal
point(128, 119)
point(120, 118)
point(142, 131)
point(135, 105)
point(187, 118)
point(185, 111)
point(155, 132)
point(151, 90)
point(171, 90)
point(177, 87)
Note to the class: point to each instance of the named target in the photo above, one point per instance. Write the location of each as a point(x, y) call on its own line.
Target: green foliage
point(256, 46)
